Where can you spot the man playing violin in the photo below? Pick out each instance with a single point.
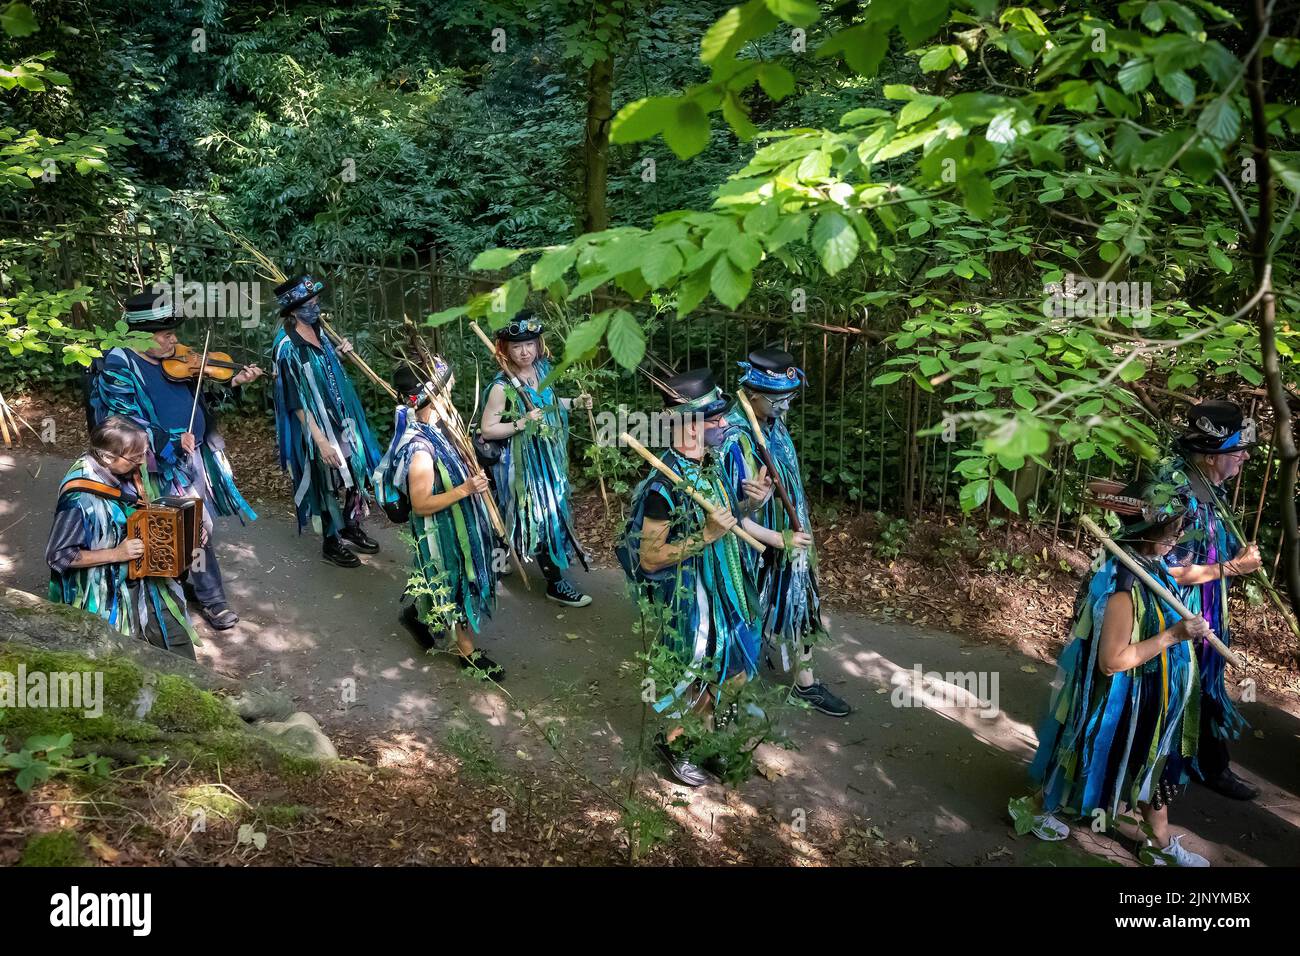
(183, 458)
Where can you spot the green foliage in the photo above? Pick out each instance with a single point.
(1124, 133)
(41, 757)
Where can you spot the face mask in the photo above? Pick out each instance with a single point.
(309, 313)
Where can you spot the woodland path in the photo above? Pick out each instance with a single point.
(939, 775)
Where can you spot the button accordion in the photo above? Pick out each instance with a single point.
(169, 528)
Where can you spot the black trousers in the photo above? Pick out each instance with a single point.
(1211, 752)
(550, 571)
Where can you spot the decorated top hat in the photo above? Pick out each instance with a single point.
(297, 292)
(772, 370)
(1215, 428)
(416, 387)
(149, 312)
(695, 393)
(524, 327)
(1140, 506)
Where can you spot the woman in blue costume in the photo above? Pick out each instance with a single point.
(787, 578)
(1213, 450)
(1123, 722)
(531, 479)
(691, 570)
(324, 438)
(453, 583)
(186, 453)
(88, 550)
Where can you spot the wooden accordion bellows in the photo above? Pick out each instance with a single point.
(169, 528)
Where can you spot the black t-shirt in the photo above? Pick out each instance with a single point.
(657, 507)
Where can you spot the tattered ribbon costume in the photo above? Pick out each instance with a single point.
(454, 547)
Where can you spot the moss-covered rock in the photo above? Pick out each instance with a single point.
(148, 704)
(56, 848)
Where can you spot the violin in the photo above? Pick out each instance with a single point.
(185, 363)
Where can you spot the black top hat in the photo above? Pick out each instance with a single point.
(297, 292)
(772, 370)
(150, 312)
(1215, 428)
(524, 327)
(695, 393)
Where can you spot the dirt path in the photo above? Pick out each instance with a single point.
(934, 778)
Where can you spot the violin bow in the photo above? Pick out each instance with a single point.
(198, 385)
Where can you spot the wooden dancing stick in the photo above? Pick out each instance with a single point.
(1156, 587)
(455, 428)
(678, 482)
(361, 363)
(514, 379)
(765, 454)
(1227, 517)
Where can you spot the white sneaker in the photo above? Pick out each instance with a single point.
(1181, 856)
(1047, 827)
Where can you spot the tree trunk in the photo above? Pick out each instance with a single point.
(595, 150)
(1286, 446)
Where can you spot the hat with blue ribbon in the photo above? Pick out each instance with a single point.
(772, 370)
(695, 393)
(297, 292)
(1217, 428)
(149, 312)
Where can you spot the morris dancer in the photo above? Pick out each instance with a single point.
(88, 549)
(1214, 448)
(453, 584)
(1122, 726)
(532, 476)
(181, 460)
(683, 559)
(787, 579)
(324, 438)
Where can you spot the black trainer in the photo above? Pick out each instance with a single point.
(562, 592)
(1232, 786)
(360, 540)
(679, 768)
(819, 697)
(479, 661)
(335, 551)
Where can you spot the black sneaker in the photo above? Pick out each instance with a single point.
(819, 697)
(360, 540)
(1232, 786)
(220, 617)
(334, 550)
(562, 592)
(679, 768)
(479, 661)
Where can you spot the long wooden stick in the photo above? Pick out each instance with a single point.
(600, 471)
(766, 455)
(1156, 587)
(1226, 516)
(500, 360)
(657, 463)
(455, 427)
(361, 363)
